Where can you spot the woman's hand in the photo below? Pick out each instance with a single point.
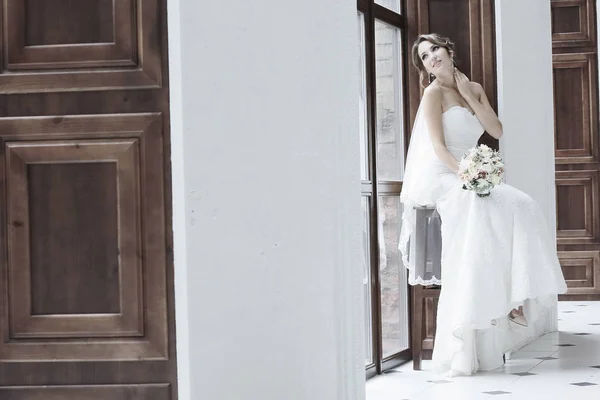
(463, 85)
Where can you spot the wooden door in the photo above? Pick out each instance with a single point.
(86, 269)
(474, 40)
(577, 155)
(470, 25)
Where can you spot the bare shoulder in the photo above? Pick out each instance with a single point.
(481, 96)
(432, 95)
(476, 86)
(479, 91)
(432, 90)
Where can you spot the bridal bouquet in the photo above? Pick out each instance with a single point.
(480, 170)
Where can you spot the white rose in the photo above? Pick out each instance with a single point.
(487, 168)
(473, 173)
(464, 164)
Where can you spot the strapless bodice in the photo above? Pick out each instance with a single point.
(462, 130)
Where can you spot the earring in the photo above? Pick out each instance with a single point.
(431, 77)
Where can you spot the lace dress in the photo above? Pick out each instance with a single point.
(497, 254)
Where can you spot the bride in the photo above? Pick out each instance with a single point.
(498, 260)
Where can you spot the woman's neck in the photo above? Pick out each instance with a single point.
(446, 81)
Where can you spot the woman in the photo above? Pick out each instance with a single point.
(499, 264)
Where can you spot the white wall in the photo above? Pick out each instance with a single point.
(525, 102)
(524, 62)
(266, 196)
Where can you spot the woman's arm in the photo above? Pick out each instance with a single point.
(475, 96)
(432, 109)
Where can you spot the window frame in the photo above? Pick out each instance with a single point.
(372, 188)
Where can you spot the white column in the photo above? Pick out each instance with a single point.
(525, 103)
(266, 197)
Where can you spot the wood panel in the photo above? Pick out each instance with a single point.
(86, 272)
(423, 322)
(48, 25)
(575, 102)
(74, 142)
(108, 392)
(92, 290)
(581, 270)
(42, 54)
(430, 320)
(575, 84)
(66, 47)
(573, 23)
(577, 206)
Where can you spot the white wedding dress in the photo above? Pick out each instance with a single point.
(497, 254)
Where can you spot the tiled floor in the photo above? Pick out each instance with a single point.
(560, 365)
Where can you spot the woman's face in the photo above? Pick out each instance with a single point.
(435, 58)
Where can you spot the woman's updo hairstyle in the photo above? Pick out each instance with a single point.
(433, 38)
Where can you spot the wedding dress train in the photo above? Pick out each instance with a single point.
(497, 254)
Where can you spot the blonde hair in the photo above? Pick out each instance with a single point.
(433, 38)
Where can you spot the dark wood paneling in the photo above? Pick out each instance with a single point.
(573, 195)
(438, 22)
(577, 207)
(118, 51)
(573, 23)
(89, 21)
(474, 40)
(581, 269)
(108, 392)
(570, 133)
(417, 319)
(130, 60)
(566, 19)
(430, 308)
(73, 238)
(87, 274)
(425, 302)
(575, 102)
(70, 139)
(575, 72)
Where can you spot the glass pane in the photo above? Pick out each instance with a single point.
(392, 274)
(362, 100)
(388, 70)
(393, 5)
(367, 283)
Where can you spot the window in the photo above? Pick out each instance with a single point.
(383, 148)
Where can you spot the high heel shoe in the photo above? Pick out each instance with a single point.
(517, 319)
